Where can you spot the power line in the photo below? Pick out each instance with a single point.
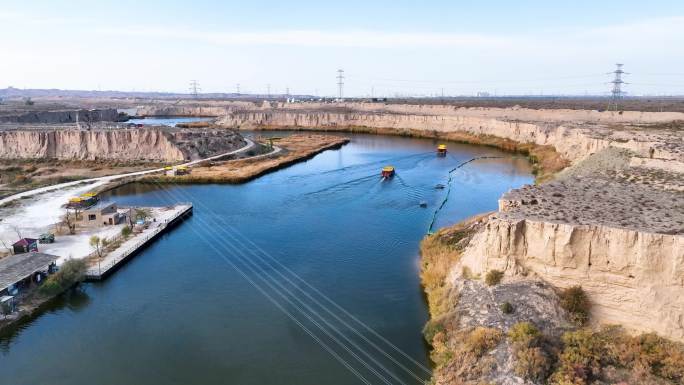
(194, 88)
(340, 83)
(261, 269)
(490, 81)
(617, 82)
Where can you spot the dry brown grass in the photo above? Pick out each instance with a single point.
(438, 253)
(467, 362)
(201, 124)
(296, 148)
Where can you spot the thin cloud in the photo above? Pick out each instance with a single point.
(661, 29)
(316, 38)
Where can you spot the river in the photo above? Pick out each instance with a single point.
(166, 120)
(181, 313)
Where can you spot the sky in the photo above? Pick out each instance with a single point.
(386, 48)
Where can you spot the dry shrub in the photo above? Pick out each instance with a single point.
(493, 277)
(532, 363)
(506, 308)
(523, 333)
(482, 339)
(649, 358)
(575, 301)
(533, 360)
(432, 328)
(664, 358)
(646, 354)
(468, 363)
(582, 358)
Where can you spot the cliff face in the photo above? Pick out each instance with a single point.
(67, 116)
(206, 109)
(513, 113)
(573, 140)
(152, 145)
(633, 278)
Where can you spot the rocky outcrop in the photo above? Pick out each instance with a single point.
(121, 145)
(633, 278)
(65, 116)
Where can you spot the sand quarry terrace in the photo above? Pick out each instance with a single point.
(599, 201)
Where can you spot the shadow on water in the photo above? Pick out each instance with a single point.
(75, 300)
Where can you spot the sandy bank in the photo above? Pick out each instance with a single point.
(288, 150)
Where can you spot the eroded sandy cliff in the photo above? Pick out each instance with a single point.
(627, 251)
(117, 144)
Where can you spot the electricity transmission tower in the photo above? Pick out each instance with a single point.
(268, 91)
(616, 93)
(237, 89)
(340, 84)
(194, 88)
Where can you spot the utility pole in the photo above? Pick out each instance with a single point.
(194, 88)
(616, 93)
(340, 84)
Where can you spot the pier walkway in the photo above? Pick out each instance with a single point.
(165, 219)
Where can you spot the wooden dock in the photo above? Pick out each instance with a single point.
(112, 261)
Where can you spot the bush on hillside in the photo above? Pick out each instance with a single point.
(493, 277)
(532, 360)
(506, 308)
(523, 333)
(575, 301)
(482, 339)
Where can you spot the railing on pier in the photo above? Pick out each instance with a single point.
(96, 272)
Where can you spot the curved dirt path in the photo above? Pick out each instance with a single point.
(109, 178)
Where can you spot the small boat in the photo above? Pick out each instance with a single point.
(441, 150)
(440, 186)
(423, 203)
(387, 172)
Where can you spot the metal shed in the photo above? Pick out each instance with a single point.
(18, 267)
